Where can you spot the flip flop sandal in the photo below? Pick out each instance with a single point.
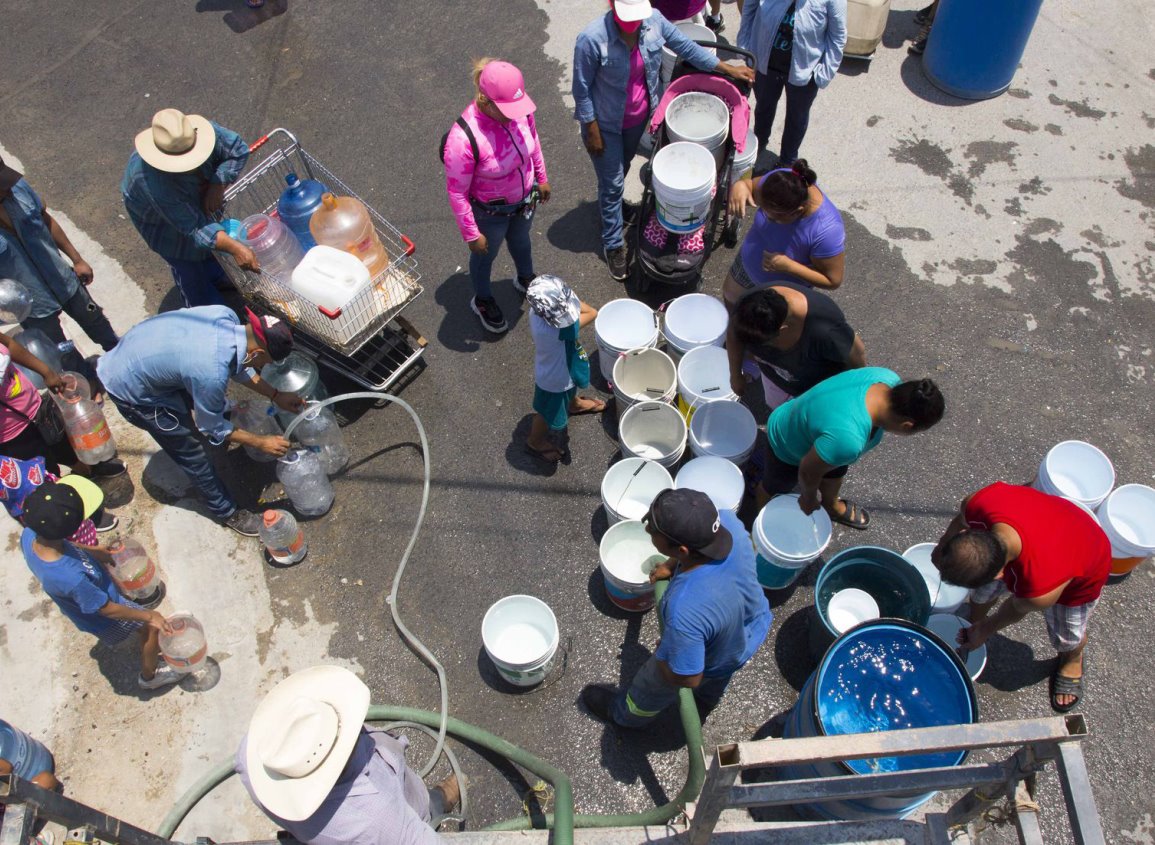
(543, 454)
(853, 517)
(597, 409)
(1062, 685)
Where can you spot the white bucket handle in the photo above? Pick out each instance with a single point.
(633, 477)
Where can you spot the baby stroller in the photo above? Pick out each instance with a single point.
(676, 259)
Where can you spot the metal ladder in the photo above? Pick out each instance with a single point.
(1038, 741)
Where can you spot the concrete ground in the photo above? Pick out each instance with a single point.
(1003, 247)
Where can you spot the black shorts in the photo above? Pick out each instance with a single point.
(30, 444)
(781, 477)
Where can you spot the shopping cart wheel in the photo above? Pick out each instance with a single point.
(731, 232)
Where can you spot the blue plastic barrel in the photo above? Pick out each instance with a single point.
(27, 757)
(893, 582)
(975, 45)
(883, 675)
(296, 206)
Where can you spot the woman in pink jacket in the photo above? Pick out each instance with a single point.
(495, 176)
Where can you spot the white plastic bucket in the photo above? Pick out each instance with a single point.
(693, 31)
(787, 541)
(622, 325)
(683, 176)
(520, 636)
(723, 429)
(1128, 519)
(944, 597)
(629, 488)
(627, 558)
(718, 478)
(851, 607)
(699, 118)
(654, 431)
(644, 374)
(744, 161)
(1078, 471)
(703, 376)
(693, 320)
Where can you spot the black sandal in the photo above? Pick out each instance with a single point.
(542, 454)
(852, 516)
(1064, 685)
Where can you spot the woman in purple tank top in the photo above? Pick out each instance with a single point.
(797, 234)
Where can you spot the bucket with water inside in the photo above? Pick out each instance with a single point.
(944, 597)
(724, 429)
(1127, 517)
(1078, 471)
(703, 376)
(644, 374)
(787, 541)
(718, 478)
(693, 320)
(881, 676)
(682, 175)
(627, 558)
(654, 431)
(520, 636)
(699, 118)
(693, 31)
(629, 488)
(622, 325)
(744, 161)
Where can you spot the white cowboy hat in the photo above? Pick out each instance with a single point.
(301, 736)
(176, 142)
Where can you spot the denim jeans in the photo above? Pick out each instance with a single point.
(799, 98)
(89, 316)
(649, 694)
(514, 230)
(177, 435)
(199, 282)
(611, 168)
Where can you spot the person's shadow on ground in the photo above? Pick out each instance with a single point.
(460, 328)
(578, 230)
(239, 16)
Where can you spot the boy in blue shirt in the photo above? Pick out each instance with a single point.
(714, 614)
(76, 579)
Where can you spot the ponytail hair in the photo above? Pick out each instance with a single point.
(478, 67)
(786, 188)
(920, 401)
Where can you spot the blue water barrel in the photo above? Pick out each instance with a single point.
(913, 682)
(893, 582)
(27, 756)
(975, 45)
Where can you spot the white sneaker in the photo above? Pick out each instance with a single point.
(164, 676)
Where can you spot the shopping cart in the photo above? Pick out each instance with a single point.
(358, 341)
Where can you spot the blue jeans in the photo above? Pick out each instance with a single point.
(176, 434)
(514, 230)
(199, 282)
(799, 98)
(611, 168)
(89, 316)
(649, 694)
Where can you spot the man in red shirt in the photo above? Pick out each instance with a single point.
(1047, 552)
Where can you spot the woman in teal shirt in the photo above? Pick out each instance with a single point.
(815, 437)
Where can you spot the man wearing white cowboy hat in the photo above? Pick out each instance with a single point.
(173, 185)
(310, 763)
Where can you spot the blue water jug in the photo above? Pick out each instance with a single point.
(27, 756)
(297, 203)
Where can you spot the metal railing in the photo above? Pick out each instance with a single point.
(1038, 741)
(25, 803)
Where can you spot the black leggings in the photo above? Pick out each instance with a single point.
(30, 444)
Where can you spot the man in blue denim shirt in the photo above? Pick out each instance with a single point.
(173, 185)
(616, 85)
(177, 364)
(32, 251)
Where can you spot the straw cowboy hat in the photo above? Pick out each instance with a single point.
(176, 142)
(301, 736)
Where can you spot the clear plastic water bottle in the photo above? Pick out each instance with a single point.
(297, 203)
(320, 433)
(39, 344)
(283, 537)
(75, 385)
(275, 246)
(185, 648)
(305, 482)
(344, 223)
(87, 430)
(134, 572)
(259, 417)
(15, 302)
(297, 373)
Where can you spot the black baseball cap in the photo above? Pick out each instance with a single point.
(273, 334)
(689, 518)
(56, 509)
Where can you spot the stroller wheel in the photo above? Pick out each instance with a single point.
(731, 232)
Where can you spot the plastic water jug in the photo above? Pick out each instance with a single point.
(305, 482)
(87, 430)
(297, 373)
(344, 223)
(296, 206)
(283, 537)
(330, 278)
(15, 301)
(185, 648)
(319, 432)
(27, 756)
(39, 344)
(133, 570)
(256, 416)
(75, 385)
(275, 246)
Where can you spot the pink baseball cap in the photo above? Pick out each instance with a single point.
(504, 84)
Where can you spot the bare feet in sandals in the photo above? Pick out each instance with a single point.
(586, 405)
(545, 452)
(848, 513)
